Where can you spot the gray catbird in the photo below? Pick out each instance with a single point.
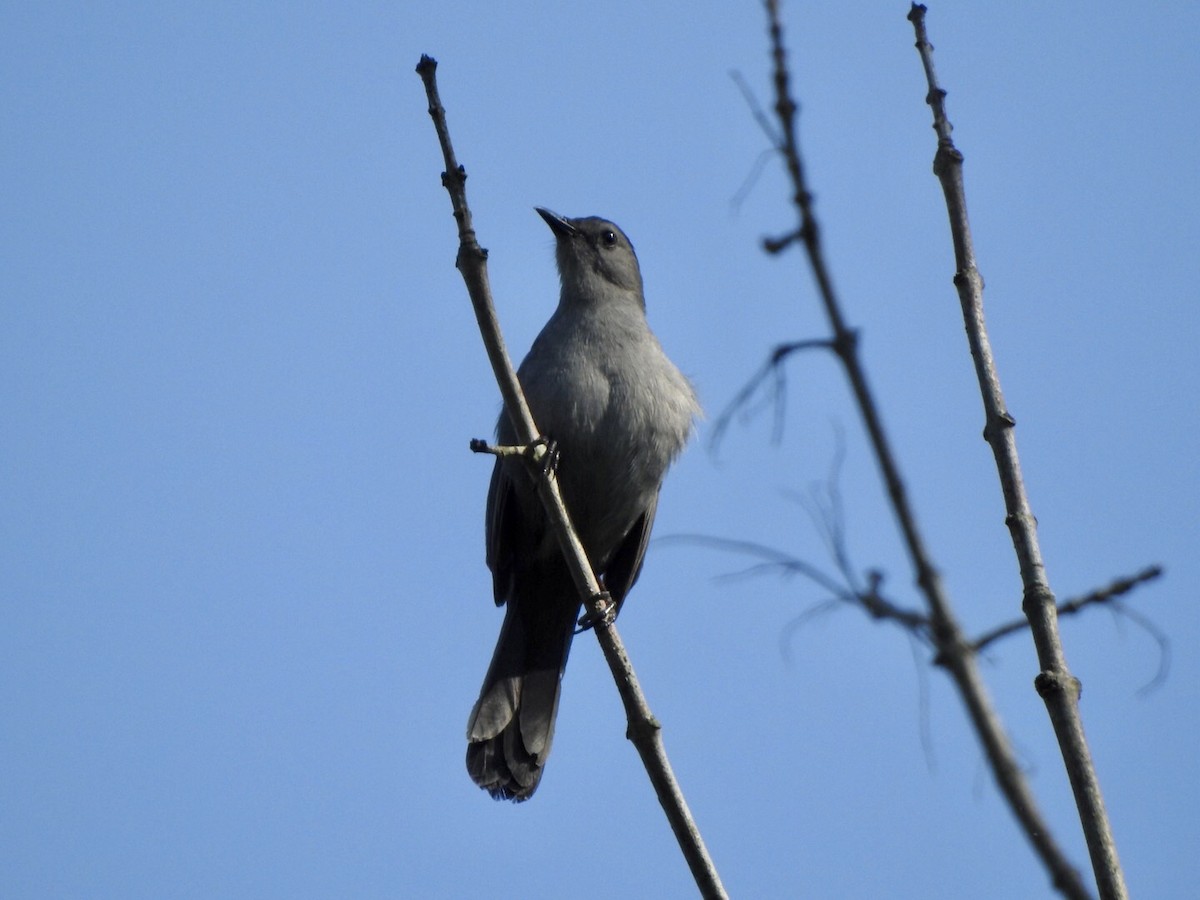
(600, 387)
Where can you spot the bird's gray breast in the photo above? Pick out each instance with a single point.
(619, 410)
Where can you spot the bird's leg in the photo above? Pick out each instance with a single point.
(604, 616)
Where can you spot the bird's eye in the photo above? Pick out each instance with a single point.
(610, 238)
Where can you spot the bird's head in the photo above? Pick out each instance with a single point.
(595, 258)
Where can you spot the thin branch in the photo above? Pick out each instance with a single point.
(870, 599)
(744, 404)
(790, 629)
(1164, 646)
(946, 633)
(644, 729)
(1055, 683)
(756, 110)
(1107, 594)
(926, 734)
(828, 520)
(770, 559)
(824, 507)
(747, 185)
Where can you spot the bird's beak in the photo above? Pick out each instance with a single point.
(560, 225)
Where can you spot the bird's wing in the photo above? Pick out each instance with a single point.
(626, 562)
(501, 527)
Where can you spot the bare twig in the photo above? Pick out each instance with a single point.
(1058, 688)
(756, 110)
(954, 651)
(869, 599)
(765, 123)
(1164, 646)
(770, 559)
(1107, 594)
(644, 729)
(772, 369)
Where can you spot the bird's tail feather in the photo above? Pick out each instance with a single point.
(512, 725)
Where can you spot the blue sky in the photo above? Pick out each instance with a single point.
(244, 605)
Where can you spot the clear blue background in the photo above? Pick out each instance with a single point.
(243, 605)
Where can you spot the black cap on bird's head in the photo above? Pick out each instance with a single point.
(594, 257)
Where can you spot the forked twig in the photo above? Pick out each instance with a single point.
(1058, 688)
(954, 651)
(772, 372)
(1107, 594)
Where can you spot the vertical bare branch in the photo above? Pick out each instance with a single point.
(644, 729)
(1055, 683)
(954, 651)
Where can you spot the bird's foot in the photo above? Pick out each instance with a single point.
(543, 453)
(605, 615)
